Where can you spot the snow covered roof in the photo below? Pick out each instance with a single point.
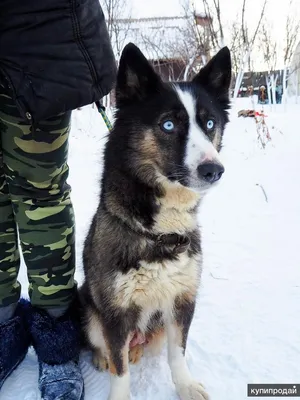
(156, 37)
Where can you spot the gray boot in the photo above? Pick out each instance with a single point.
(57, 345)
(14, 341)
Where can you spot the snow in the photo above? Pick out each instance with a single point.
(246, 327)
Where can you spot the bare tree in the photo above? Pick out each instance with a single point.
(294, 74)
(236, 46)
(118, 20)
(204, 34)
(292, 33)
(117, 15)
(268, 46)
(269, 49)
(194, 43)
(248, 42)
(189, 44)
(212, 9)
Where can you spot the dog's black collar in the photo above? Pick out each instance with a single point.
(180, 243)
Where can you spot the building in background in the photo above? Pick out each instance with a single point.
(171, 44)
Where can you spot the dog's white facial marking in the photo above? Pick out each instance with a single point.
(199, 149)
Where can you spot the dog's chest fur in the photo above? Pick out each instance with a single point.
(155, 286)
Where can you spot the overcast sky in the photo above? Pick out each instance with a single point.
(276, 12)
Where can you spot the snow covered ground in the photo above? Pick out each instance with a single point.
(246, 327)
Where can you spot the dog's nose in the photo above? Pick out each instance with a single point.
(210, 172)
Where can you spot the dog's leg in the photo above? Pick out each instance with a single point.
(156, 341)
(118, 361)
(187, 388)
(94, 333)
(99, 360)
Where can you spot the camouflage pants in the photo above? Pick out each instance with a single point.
(35, 208)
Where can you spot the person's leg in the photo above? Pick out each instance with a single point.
(14, 337)
(36, 170)
(9, 253)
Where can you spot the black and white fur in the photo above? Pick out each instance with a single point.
(161, 157)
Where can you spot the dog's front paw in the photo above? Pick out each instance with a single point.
(192, 391)
(136, 353)
(100, 362)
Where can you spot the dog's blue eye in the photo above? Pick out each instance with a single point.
(210, 124)
(168, 126)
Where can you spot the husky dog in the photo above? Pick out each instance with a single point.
(142, 255)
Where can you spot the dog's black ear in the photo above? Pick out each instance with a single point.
(136, 78)
(215, 76)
